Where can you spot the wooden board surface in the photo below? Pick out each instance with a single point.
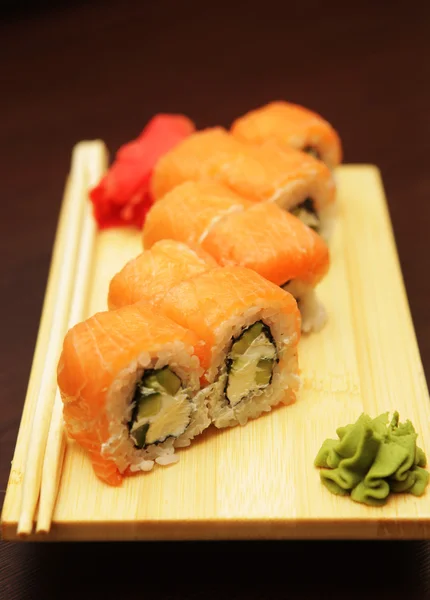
(259, 481)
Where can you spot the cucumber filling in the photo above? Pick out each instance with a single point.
(162, 408)
(250, 363)
(306, 212)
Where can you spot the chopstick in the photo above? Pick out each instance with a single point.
(52, 468)
(56, 444)
(88, 163)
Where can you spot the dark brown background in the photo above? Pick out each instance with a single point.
(75, 70)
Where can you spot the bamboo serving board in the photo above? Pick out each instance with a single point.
(256, 481)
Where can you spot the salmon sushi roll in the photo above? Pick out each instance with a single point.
(129, 380)
(291, 126)
(296, 181)
(153, 272)
(258, 236)
(280, 248)
(251, 329)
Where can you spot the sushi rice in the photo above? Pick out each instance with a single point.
(313, 313)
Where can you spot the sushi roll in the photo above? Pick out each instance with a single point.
(292, 179)
(258, 236)
(251, 329)
(291, 126)
(129, 380)
(280, 248)
(153, 272)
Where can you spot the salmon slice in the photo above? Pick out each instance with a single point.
(151, 274)
(290, 178)
(271, 242)
(95, 353)
(203, 303)
(187, 213)
(193, 160)
(290, 126)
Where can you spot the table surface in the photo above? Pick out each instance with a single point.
(77, 70)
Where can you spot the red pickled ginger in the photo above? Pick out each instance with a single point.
(123, 197)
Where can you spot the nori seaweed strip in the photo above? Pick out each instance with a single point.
(137, 395)
(312, 151)
(307, 205)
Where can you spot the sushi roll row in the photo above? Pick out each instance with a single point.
(294, 180)
(235, 231)
(203, 326)
(141, 380)
(280, 153)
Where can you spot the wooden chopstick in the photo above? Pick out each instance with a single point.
(94, 161)
(55, 446)
(46, 390)
(76, 210)
(52, 467)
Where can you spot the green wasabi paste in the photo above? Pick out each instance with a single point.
(372, 458)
